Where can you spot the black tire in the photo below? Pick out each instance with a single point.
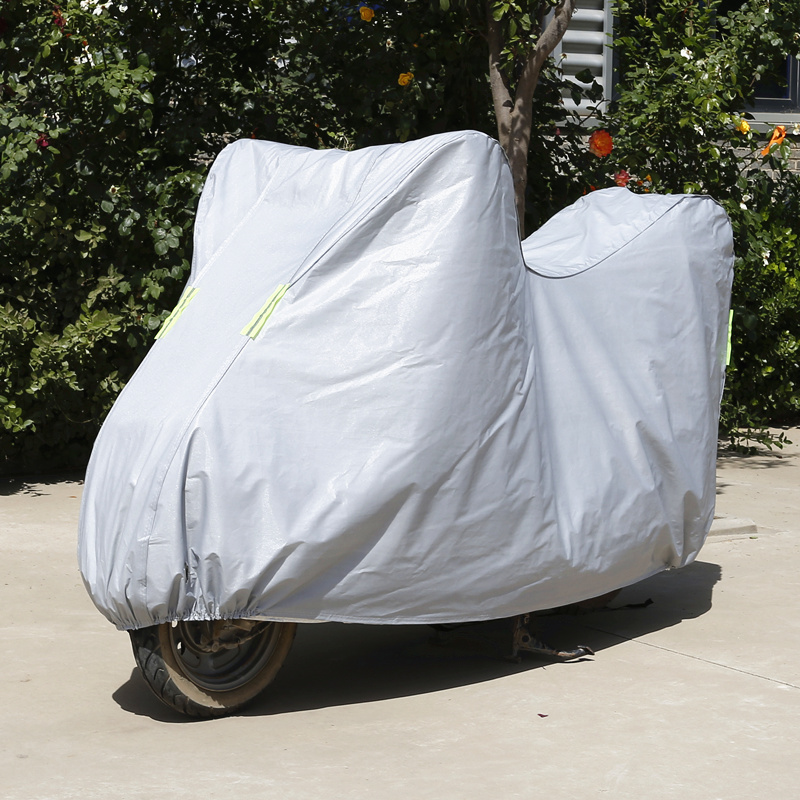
(210, 669)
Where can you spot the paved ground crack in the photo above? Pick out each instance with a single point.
(696, 658)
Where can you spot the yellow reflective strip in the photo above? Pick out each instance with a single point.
(730, 334)
(257, 323)
(186, 298)
(253, 328)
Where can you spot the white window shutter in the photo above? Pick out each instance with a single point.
(586, 46)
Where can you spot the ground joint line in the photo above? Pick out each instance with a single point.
(696, 658)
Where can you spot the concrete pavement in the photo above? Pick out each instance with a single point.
(695, 696)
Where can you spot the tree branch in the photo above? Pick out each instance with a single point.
(515, 116)
(545, 45)
(501, 94)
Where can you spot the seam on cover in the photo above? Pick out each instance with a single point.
(298, 275)
(150, 521)
(613, 252)
(215, 255)
(153, 507)
(215, 381)
(305, 267)
(211, 259)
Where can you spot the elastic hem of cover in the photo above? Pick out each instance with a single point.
(399, 619)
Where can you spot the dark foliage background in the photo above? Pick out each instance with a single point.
(111, 114)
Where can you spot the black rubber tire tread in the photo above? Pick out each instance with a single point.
(164, 677)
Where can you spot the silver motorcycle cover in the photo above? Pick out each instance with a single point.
(372, 404)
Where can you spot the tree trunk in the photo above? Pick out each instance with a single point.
(515, 115)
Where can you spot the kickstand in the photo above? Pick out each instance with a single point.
(523, 641)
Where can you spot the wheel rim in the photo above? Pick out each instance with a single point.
(222, 656)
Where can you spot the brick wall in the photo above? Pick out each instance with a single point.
(794, 155)
(794, 158)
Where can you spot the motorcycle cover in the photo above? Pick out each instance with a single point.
(372, 404)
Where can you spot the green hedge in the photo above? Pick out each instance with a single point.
(107, 123)
(687, 71)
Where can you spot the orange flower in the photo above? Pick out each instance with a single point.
(600, 143)
(366, 13)
(778, 135)
(405, 78)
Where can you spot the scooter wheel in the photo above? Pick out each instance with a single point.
(210, 669)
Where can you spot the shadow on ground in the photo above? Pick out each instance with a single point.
(334, 664)
(36, 486)
(757, 461)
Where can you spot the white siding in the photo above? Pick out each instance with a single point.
(586, 46)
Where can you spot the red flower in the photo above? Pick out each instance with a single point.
(622, 177)
(58, 18)
(42, 141)
(600, 143)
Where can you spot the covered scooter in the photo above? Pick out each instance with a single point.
(374, 404)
